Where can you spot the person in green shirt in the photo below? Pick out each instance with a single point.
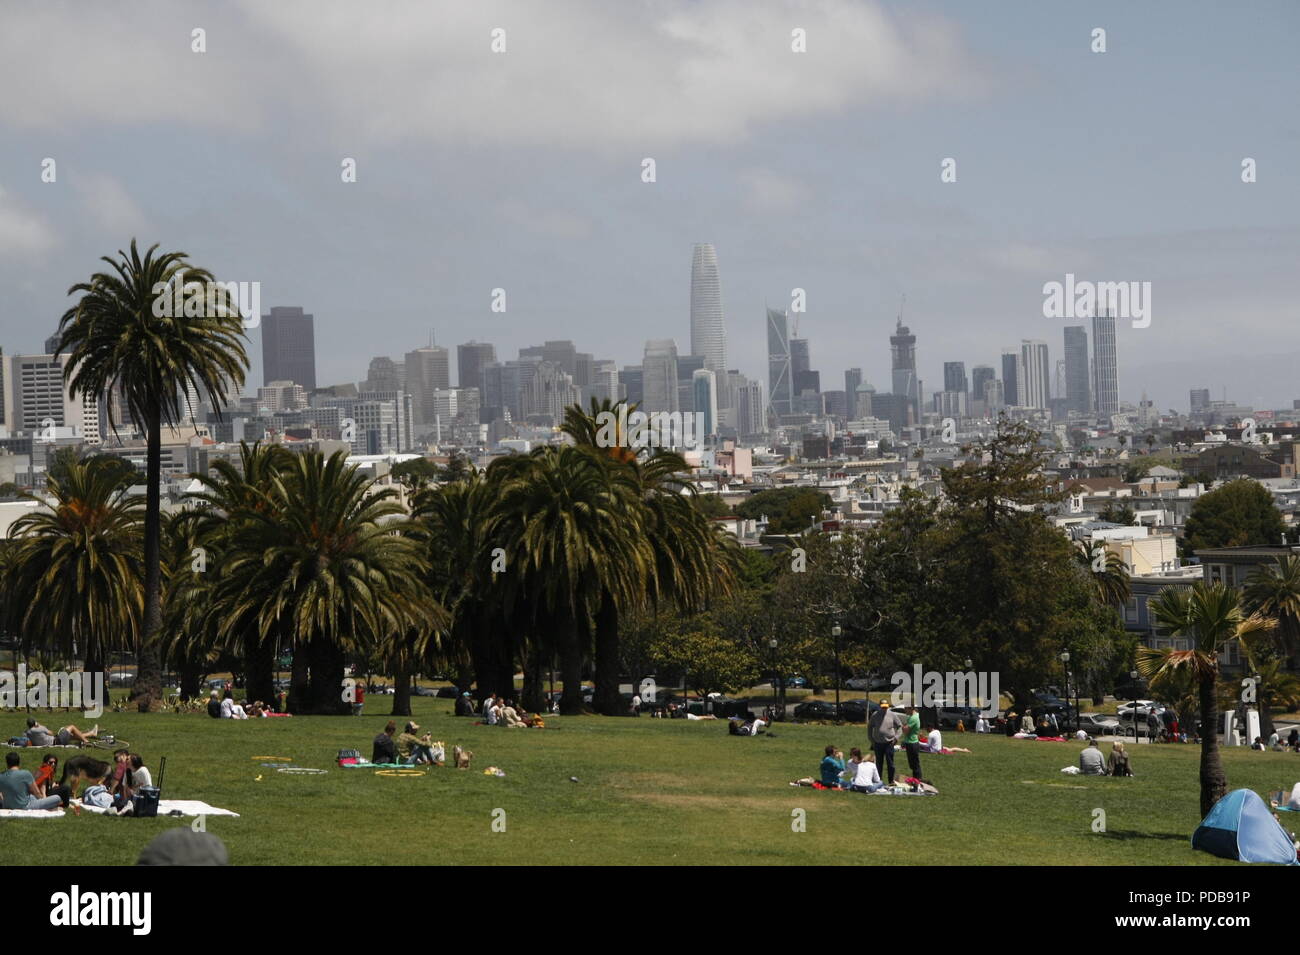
(912, 741)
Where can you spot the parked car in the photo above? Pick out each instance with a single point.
(815, 710)
(424, 691)
(1095, 724)
(948, 716)
(860, 682)
(1124, 712)
(857, 711)
(795, 683)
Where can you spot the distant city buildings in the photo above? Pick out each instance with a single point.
(289, 346)
(708, 331)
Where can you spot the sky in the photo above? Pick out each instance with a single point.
(820, 170)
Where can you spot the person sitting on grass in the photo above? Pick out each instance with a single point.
(413, 749)
(832, 766)
(232, 710)
(18, 788)
(934, 743)
(385, 749)
(866, 777)
(214, 706)
(1091, 762)
(464, 705)
(509, 715)
(1117, 762)
(492, 710)
(140, 775)
(119, 783)
(45, 779)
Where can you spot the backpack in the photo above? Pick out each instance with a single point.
(349, 757)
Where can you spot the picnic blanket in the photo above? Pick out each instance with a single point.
(30, 813)
(51, 746)
(369, 765)
(186, 807)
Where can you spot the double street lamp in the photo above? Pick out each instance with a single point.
(835, 633)
(776, 707)
(1065, 668)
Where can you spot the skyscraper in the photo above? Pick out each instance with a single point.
(778, 362)
(751, 413)
(471, 359)
(428, 370)
(289, 347)
(708, 332)
(1105, 365)
(980, 376)
(1035, 390)
(1200, 399)
(1011, 375)
(852, 378)
(1078, 396)
(382, 375)
(659, 376)
(705, 385)
(902, 351)
(954, 376)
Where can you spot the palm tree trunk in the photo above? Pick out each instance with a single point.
(147, 692)
(607, 700)
(570, 667)
(532, 695)
(401, 689)
(300, 681)
(1213, 781)
(259, 670)
(325, 661)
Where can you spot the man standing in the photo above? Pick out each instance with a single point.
(884, 727)
(18, 788)
(912, 742)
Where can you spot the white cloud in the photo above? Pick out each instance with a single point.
(109, 205)
(22, 232)
(769, 191)
(584, 74)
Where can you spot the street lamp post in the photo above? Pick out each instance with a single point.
(1133, 675)
(969, 664)
(1065, 668)
(772, 644)
(835, 633)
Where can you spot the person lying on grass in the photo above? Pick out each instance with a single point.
(832, 766)
(38, 735)
(97, 794)
(934, 743)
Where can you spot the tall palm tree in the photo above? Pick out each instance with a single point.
(212, 525)
(458, 527)
(569, 535)
(118, 345)
(1210, 616)
(1274, 591)
(685, 559)
(74, 572)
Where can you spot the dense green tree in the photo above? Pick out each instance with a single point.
(1238, 514)
(118, 343)
(1274, 591)
(789, 510)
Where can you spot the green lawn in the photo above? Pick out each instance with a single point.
(647, 792)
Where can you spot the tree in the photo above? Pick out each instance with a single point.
(1238, 514)
(709, 662)
(1210, 616)
(1110, 576)
(1274, 591)
(118, 344)
(1117, 513)
(415, 474)
(789, 510)
(74, 569)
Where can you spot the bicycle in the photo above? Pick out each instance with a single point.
(107, 741)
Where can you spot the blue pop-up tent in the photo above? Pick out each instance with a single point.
(1240, 826)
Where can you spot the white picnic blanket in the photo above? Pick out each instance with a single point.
(30, 813)
(187, 807)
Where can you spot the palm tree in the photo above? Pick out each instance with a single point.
(1274, 591)
(212, 526)
(1111, 583)
(74, 567)
(321, 558)
(457, 524)
(119, 346)
(569, 536)
(1210, 616)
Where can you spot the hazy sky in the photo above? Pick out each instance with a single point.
(819, 170)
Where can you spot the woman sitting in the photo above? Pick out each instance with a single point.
(866, 777)
(1117, 762)
(832, 766)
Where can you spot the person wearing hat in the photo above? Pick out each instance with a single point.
(464, 705)
(414, 749)
(884, 727)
